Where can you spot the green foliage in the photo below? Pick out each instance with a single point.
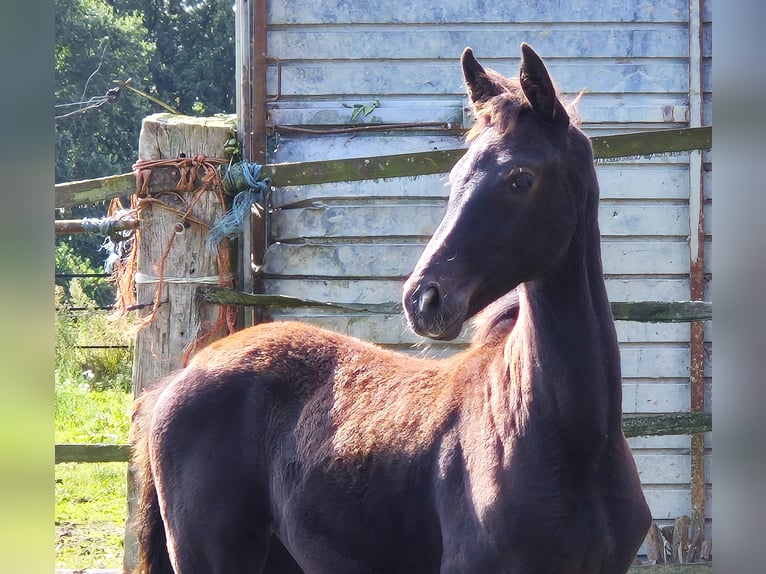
(85, 414)
(99, 368)
(68, 260)
(363, 110)
(179, 52)
(194, 65)
(95, 45)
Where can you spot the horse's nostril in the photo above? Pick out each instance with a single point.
(428, 299)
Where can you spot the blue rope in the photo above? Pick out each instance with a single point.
(232, 222)
(251, 172)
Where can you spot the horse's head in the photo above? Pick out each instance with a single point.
(513, 208)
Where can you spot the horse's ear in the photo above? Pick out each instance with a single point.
(538, 87)
(481, 86)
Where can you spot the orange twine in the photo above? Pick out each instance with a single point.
(189, 169)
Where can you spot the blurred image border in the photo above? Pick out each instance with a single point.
(26, 280)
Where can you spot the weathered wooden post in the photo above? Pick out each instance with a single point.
(171, 244)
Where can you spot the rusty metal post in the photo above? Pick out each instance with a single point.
(697, 268)
(251, 126)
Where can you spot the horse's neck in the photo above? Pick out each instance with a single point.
(566, 345)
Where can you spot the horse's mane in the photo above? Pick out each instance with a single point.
(501, 111)
(497, 319)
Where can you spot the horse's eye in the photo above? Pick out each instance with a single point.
(521, 181)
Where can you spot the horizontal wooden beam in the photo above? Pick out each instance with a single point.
(633, 425)
(228, 296)
(652, 142)
(92, 453)
(424, 163)
(362, 168)
(398, 165)
(662, 311)
(666, 424)
(643, 311)
(94, 190)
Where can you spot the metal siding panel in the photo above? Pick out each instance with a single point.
(635, 332)
(319, 147)
(647, 288)
(421, 187)
(370, 260)
(390, 110)
(666, 468)
(670, 503)
(642, 180)
(593, 108)
(291, 12)
(398, 42)
(655, 398)
(344, 78)
(681, 442)
(616, 219)
(382, 221)
(654, 361)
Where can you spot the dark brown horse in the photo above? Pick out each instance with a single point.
(285, 448)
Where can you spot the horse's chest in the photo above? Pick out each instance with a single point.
(528, 510)
(535, 532)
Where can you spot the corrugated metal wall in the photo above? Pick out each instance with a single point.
(356, 242)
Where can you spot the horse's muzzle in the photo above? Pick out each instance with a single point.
(427, 314)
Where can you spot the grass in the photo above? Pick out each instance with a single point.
(91, 501)
(92, 405)
(90, 514)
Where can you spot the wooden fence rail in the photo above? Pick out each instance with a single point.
(632, 425)
(643, 311)
(400, 165)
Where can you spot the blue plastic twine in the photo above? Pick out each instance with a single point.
(232, 222)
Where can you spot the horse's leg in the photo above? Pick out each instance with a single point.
(211, 494)
(211, 535)
(215, 535)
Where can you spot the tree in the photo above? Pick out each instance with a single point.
(194, 65)
(95, 46)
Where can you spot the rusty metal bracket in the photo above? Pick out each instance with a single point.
(278, 63)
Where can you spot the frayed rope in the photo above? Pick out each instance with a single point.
(232, 222)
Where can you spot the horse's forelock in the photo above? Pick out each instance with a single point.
(502, 111)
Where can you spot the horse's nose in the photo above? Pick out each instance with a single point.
(429, 300)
